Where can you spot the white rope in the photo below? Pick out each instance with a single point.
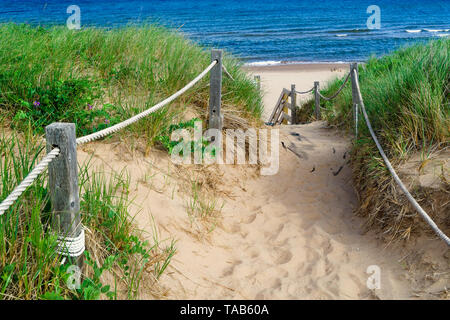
(394, 174)
(17, 192)
(71, 246)
(119, 126)
(337, 92)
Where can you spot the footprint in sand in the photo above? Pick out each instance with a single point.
(249, 219)
(228, 271)
(282, 256)
(231, 228)
(253, 253)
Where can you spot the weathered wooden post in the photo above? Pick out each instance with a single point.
(258, 81)
(355, 96)
(317, 99)
(64, 193)
(293, 105)
(215, 92)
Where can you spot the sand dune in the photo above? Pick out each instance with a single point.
(292, 235)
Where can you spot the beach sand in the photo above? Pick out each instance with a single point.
(292, 235)
(275, 78)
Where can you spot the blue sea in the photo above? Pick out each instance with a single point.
(263, 31)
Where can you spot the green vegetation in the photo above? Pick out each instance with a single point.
(169, 144)
(406, 95)
(29, 265)
(96, 77)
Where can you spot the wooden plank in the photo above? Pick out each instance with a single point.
(285, 110)
(63, 182)
(284, 98)
(293, 104)
(317, 99)
(286, 117)
(258, 82)
(277, 106)
(355, 96)
(215, 92)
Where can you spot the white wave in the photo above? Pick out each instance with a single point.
(341, 35)
(414, 31)
(263, 63)
(272, 63)
(443, 35)
(433, 30)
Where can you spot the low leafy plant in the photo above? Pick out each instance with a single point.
(65, 71)
(193, 145)
(92, 288)
(59, 101)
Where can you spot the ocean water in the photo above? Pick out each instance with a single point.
(263, 31)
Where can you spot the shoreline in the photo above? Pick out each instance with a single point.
(293, 67)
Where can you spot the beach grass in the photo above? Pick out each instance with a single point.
(30, 268)
(97, 77)
(406, 95)
(93, 78)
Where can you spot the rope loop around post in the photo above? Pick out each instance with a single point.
(339, 90)
(71, 246)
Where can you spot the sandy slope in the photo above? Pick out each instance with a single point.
(288, 236)
(292, 235)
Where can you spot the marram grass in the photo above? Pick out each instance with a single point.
(406, 95)
(94, 78)
(97, 77)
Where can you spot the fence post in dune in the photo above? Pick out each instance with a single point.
(317, 99)
(64, 193)
(258, 82)
(293, 105)
(215, 92)
(355, 99)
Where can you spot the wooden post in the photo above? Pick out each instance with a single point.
(215, 92)
(63, 182)
(317, 99)
(355, 96)
(258, 82)
(293, 105)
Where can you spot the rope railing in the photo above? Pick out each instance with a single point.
(126, 123)
(399, 182)
(338, 91)
(28, 181)
(74, 246)
(358, 103)
(278, 116)
(43, 164)
(304, 92)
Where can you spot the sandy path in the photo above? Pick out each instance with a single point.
(292, 235)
